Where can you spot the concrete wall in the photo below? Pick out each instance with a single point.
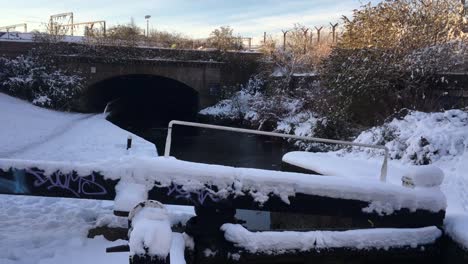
(204, 78)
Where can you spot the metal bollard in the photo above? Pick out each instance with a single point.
(129, 142)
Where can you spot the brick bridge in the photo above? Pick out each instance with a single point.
(205, 73)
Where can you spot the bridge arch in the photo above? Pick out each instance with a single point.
(138, 102)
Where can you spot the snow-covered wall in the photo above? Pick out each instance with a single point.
(187, 178)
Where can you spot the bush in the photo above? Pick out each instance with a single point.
(390, 57)
(420, 138)
(25, 78)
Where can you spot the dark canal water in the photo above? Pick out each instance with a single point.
(221, 147)
(225, 148)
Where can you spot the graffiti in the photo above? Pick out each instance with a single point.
(201, 195)
(72, 182)
(16, 185)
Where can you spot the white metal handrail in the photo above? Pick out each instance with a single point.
(167, 151)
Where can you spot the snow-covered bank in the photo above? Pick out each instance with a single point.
(284, 114)
(33, 229)
(31, 132)
(53, 230)
(349, 167)
(439, 139)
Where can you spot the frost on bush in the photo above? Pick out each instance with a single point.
(421, 138)
(279, 112)
(26, 78)
(239, 105)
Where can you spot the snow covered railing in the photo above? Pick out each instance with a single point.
(167, 151)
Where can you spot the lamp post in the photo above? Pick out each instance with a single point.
(147, 17)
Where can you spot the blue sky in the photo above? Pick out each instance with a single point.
(195, 18)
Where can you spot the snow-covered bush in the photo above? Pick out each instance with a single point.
(386, 61)
(264, 110)
(421, 138)
(238, 106)
(26, 78)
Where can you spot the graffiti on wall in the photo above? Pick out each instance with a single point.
(71, 182)
(197, 197)
(34, 181)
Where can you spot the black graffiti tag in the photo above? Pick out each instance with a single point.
(72, 182)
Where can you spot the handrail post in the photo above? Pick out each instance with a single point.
(384, 170)
(167, 149)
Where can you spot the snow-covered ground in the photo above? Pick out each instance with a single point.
(53, 230)
(31, 132)
(439, 139)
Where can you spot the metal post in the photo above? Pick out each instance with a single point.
(318, 34)
(305, 39)
(334, 31)
(147, 17)
(129, 142)
(284, 39)
(167, 150)
(71, 28)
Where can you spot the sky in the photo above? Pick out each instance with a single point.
(194, 18)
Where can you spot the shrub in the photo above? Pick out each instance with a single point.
(390, 57)
(24, 77)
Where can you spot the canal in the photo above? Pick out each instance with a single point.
(224, 148)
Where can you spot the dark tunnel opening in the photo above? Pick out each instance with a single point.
(139, 103)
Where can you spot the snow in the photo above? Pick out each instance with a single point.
(40, 230)
(421, 138)
(128, 195)
(53, 230)
(439, 139)
(150, 232)
(233, 108)
(46, 230)
(260, 184)
(425, 176)
(286, 114)
(37, 228)
(31, 132)
(456, 226)
(286, 241)
(350, 167)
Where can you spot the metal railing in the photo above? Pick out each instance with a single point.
(167, 151)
